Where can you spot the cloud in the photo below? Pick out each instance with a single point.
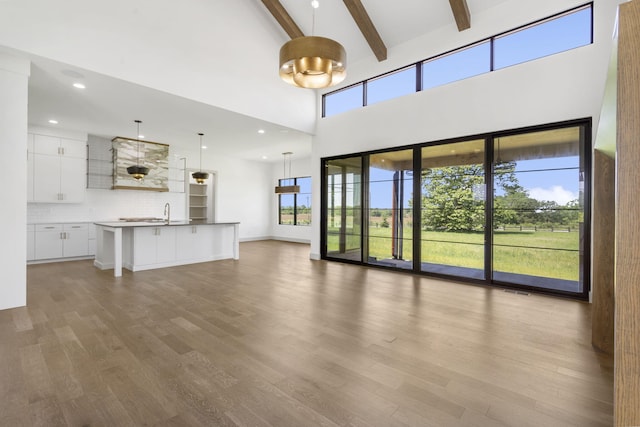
(556, 193)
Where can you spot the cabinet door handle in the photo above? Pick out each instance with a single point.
(49, 228)
(62, 150)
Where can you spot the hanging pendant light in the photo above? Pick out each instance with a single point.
(313, 62)
(287, 189)
(136, 171)
(200, 176)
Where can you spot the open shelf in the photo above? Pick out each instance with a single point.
(198, 201)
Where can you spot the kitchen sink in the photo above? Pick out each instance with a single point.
(142, 219)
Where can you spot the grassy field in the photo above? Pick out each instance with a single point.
(539, 253)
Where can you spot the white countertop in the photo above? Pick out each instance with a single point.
(126, 224)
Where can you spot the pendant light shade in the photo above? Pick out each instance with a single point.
(200, 176)
(136, 171)
(313, 62)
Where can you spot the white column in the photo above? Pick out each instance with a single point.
(14, 79)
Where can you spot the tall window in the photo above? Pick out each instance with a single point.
(390, 218)
(295, 209)
(538, 209)
(452, 183)
(343, 214)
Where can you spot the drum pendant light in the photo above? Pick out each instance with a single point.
(200, 176)
(313, 62)
(136, 171)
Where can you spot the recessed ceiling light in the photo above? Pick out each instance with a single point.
(79, 86)
(261, 131)
(204, 147)
(264, 157)
(141, 136)
(53, 122)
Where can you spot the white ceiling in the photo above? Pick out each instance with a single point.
(191, 66)
(109, 106)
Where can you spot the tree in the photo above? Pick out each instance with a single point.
(453, 197)
(449, 202)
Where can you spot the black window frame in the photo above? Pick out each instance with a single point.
(287, 181)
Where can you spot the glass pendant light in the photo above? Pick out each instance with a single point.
(136, 171)
(200, 176)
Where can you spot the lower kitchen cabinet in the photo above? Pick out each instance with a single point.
(60, 241)
(154, 245)
(195, 242)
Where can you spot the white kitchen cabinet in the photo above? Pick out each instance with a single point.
(154, 245)
(60, 241)
(194, 242)
(140, 246)
(75, 240)
(48, 241)
(31, 242)
(59, 170)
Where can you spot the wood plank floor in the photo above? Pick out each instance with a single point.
(275, 339)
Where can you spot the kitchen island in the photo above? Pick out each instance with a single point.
(147, 245)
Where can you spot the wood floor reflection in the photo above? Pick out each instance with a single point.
(275, 339)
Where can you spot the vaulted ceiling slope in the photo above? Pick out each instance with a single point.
(222, 53)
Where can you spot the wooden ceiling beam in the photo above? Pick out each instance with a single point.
(368, 30)
(282, 16)
(461, 14)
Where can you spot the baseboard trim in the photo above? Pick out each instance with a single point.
(48, 260)
(280, 239)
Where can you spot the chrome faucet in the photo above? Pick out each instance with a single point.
(167, 212)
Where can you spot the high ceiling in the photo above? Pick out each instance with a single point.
(193, 66)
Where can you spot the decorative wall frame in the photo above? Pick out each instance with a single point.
(153, 155)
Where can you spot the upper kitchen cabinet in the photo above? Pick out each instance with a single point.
(59, 169)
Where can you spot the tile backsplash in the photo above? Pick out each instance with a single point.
(109, 205)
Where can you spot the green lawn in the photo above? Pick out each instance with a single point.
(539, 253)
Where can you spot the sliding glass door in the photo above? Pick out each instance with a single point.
(538, 209)
(452, 183)
(344, 208)
(390, 217)
(506, 208)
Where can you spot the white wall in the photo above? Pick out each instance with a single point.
(565, 86)
(14, 78)
(292, 233)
